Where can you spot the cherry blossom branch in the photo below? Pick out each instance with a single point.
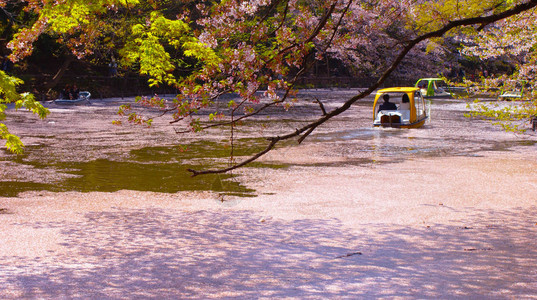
(309, 128)
(315, 33)
(320, 25)
(338, 24)
(284, 16)
(257, 111)
(176, 120)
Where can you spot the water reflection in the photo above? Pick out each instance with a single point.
(109, 176)
(157, 169)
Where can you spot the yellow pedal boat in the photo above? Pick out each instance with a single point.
(399, 107)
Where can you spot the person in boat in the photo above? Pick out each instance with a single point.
(65, 93)
(74, 92)
(405, 103)
(387, 105)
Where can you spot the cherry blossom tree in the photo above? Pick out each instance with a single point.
(269, 44)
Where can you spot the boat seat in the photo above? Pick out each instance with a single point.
(390, 119)
(384, 119)
(395, 119)
(405, 114)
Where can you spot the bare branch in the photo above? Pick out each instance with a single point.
(213, 98)
(256, 112)
(303, 137)
(259, 110)
(269, 147)
(321, 105)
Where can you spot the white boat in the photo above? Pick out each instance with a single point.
(512, 89)
(82, 96)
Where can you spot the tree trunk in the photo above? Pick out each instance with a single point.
(59, 75)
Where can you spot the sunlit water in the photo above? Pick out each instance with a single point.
(163, 168)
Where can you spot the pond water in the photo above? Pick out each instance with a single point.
(109, 176)
(77, 149)
(157, 169)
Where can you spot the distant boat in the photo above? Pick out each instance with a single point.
(82, 96)
(434, 87)
(408, 108)
(512, 89)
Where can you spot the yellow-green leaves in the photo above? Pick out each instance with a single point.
(28, 101)
(128, 3)
(13, 143)
(66, 15)
(63, 18)
(8, 94)
(174, 31)
(148, 48)
(66, 18)
(8, 84)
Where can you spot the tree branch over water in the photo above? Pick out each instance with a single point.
(307, 129)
